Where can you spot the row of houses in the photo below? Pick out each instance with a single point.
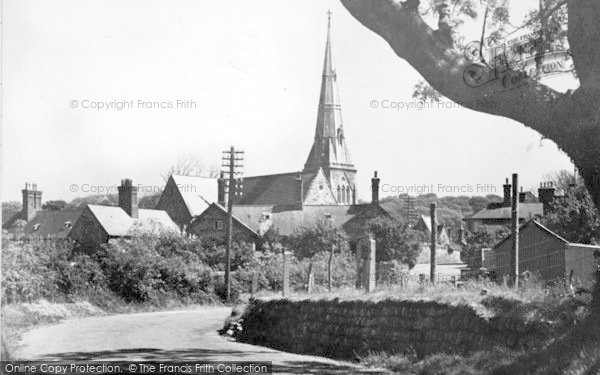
(325, 188)
(542, 252)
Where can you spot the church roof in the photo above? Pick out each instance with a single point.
(273, 189)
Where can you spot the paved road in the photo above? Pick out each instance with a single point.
(174, 336)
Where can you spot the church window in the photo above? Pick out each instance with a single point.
(339, 194)
(343, 195)
(347, 194)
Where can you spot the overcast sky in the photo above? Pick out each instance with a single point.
(253, 71)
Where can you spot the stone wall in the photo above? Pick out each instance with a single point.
(345, 329)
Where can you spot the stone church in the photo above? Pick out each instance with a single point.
(328, 176)
(324, 189)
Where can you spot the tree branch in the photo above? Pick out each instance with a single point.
(448, 70)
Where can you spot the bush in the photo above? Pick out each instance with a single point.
(153, 268)
(33, 270)
(148, 268)
(343, 269)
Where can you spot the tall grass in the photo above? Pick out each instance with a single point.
(532, 301)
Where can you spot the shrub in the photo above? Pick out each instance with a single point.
(343, 268)
(147, 268)
(32, 270)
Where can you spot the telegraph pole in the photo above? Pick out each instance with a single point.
(409, 205)
(514, 256)
(231, 162)
(433, 241)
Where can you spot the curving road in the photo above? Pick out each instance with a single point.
(163, 336)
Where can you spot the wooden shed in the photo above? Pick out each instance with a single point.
(546, 254)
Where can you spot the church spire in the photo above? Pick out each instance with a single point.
(329, 148)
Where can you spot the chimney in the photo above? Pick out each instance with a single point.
(300, 193)
(221, 188)
(128, 198)
(507, 196)
(375, 189)
(546, 195)
(522, 196)
(32, 201)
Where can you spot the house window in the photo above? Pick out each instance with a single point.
(219, 225)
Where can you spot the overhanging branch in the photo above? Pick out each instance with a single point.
(511, 93)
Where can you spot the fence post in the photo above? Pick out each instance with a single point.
(432, 269)
(285, 290)
(370, 274)
(330, 269)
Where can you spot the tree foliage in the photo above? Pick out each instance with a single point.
(54, 205)
(573, 216)
(483, 237)
(395, 240)
(510, 73)
(321, 236)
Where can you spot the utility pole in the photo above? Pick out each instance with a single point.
(433, 241)
(232, 168)
(514, 256)
(409, 205)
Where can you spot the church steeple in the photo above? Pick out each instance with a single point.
(329, 148)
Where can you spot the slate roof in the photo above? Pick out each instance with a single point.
(538, 225)
(273, 189)
(245, 223)
(526, 211)
(287, 219)
(115, 221)
(197, 192)
(50, 224)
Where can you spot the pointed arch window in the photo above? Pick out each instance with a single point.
(347, 194)
(343, 195)
(339, 194)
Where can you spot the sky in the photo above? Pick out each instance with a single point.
(229, 73)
